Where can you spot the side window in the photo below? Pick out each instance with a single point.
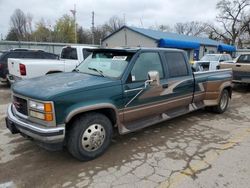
(176, 64)
(29, 55)
(49, 56)
(69, 53)
(222, 58)
(148, 61)
(244, 59)
(85, 53)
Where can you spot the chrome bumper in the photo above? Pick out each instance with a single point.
(35, 131)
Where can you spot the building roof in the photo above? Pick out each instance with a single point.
(157, 35)
(166, 38)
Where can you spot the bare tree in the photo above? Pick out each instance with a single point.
(113, 24)
(21, 24)
(193, 28)
(231, 19)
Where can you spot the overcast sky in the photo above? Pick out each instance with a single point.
(141, 13)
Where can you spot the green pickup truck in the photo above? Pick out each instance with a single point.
(125, 89)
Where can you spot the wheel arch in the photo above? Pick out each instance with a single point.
(53, 71)
(108, 110)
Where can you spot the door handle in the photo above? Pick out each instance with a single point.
(164, 85)
(238, 65)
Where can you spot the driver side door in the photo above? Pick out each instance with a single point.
(141, 101)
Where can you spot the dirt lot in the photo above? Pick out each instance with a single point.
(200, 149)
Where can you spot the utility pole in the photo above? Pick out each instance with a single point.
(74, 16)
(93, 27)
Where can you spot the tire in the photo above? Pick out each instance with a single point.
(223, 104)
(89, 136)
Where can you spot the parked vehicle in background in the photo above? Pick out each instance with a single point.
(125, 89)
(1, 52)
(21, 53)
(71, 56)
(211, 61)
(240, 67)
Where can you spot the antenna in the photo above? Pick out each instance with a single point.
(141, 22)
(93, 27)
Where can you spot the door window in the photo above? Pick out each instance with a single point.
(69, 53)
(176, 64)
(148, 61)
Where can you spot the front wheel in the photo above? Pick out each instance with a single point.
(223, 103)
(89, 136)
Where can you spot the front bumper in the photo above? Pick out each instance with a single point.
(32, 130)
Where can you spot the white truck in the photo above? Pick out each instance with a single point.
(70, 57)
(210, 62)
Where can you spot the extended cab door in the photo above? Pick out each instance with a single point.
(180, 82)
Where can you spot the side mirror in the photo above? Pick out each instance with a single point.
(153, 79)
(221, 60)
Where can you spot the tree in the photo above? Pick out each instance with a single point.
(42, 32)
(113, 24)
(231, 19)
(84, 36)
(21, 24)
(193, 28)
(64, 29)
(12, 35)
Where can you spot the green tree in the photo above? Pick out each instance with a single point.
(64, 29)
(42, 32)
(12, 35)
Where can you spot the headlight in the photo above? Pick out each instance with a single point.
(43, 111)
(45, 107)
(36, 105)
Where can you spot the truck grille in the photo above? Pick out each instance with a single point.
(21, 105)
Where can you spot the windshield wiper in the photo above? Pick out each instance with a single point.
(75, 70)
(96, 70)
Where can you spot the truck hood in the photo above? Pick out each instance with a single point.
(50, 86)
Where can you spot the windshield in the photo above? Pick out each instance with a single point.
(210, 57)
(107, 64)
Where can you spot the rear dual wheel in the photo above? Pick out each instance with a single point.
(89, 136)
(223, 103)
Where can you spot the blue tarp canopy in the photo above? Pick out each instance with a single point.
(170, 43)
(226, 48)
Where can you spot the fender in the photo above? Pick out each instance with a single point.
(91, 108)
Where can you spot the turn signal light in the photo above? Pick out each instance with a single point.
(48, 117)
(48, 107)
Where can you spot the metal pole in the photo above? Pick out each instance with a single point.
(74, 16)
(93, 27)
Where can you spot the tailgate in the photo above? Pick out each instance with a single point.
(13, 66)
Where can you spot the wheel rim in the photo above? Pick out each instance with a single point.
(223, 101)
(93, 137)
